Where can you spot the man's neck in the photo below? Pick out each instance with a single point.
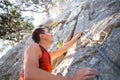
(45, 45)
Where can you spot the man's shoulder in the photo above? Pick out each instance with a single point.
(34, 48)
(35, 45)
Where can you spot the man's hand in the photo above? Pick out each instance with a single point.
(79, 35)
(85, 74)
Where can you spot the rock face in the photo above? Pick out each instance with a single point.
(99, 47)
(11, 63)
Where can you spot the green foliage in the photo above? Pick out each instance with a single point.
(37, 6)
(11, 22)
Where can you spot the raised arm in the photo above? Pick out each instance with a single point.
(56, 53)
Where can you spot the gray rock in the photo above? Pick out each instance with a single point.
(97, 48)
(11, 63)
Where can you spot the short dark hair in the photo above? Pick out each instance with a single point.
(36, 33)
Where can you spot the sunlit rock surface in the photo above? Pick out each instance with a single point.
(99, 46)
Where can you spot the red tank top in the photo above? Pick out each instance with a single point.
(45, 60)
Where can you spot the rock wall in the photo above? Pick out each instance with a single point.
(98, 47)
(11, 63)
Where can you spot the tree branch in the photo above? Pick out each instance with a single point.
(33, 11)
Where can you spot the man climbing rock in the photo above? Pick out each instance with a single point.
(37, 59)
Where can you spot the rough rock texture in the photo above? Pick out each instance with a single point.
(99, 47)
(11, 63)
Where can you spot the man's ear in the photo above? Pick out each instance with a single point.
(41, 36)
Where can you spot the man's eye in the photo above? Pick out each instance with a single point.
(49, 31)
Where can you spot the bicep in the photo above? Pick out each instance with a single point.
(31, 57)
(58, 52)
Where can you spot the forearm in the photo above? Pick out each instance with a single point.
(56, 53)
(39, 74)
(71, 42)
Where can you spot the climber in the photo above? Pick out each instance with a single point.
(37, 59)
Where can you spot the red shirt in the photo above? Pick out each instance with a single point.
(45, 60)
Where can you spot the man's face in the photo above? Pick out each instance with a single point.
(48, 36)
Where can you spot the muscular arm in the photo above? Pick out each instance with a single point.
(56, 53)
(31, 66)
